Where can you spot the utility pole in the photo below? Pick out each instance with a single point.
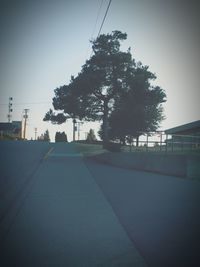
(25, 120)
(35, 132)
(10, 109)
(79, 124)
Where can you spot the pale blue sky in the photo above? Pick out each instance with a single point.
(44, 42)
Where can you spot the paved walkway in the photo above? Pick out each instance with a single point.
(160, 213)
(63, 219)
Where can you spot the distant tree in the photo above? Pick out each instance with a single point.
(60, 137)
(41, 137)
(91, 136)
(46, 136)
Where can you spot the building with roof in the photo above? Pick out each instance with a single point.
(11, 130)
(192, 128)
(186, 134)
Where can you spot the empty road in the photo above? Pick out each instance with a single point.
(58, 209)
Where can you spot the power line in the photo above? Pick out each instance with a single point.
(104, 18)
(97, 18)
(27, 103)
(103, 22)
(98, 13)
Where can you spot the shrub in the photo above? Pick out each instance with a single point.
(60, 137)
(113, 147)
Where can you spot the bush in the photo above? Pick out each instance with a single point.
(60, 137)
(113, 147)
(91, 136)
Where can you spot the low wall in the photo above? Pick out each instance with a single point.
(193, 167)
(176, 165)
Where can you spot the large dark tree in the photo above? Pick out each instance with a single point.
(92, 93)
(102, 85)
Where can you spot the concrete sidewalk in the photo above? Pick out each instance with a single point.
(160, 213)
(66, 221)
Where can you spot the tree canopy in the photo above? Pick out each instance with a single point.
(111, 87)
(139, 109)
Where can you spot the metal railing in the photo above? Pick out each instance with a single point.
(161, 142)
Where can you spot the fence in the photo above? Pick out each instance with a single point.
(159, 141)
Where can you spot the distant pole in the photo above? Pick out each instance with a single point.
(172, 143)
(25, 120)
(21, 129)
(79, 124)
(166, 142)
(78, 130)
(35, 132)
(147, 141)
(160, 141)
(10, 109)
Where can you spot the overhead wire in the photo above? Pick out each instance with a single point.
(95, 25)
(97, 19)
(103, 21)
(27, 103)
(100, 7)
(104, 18)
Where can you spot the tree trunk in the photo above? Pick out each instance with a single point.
(74, 129)
(105, 124)
(137, 141)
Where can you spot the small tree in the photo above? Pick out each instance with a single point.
(41, 137)
(60, 137)
(91, 136)
(46, 136)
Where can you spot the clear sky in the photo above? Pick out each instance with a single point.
(44, 42)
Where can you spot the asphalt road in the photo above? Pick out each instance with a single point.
(59, 215)
(57, 209)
